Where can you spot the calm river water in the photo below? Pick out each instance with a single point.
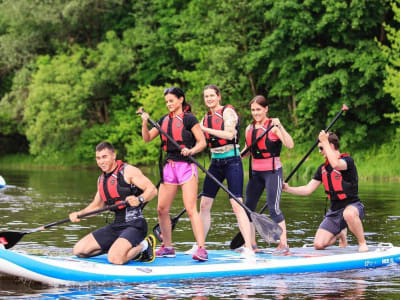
(34, 198)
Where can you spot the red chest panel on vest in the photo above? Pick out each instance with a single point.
(111, 185)
(334, 183)
(216, 121)
(264, 148)
(174, 127)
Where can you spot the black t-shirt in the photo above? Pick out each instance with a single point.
(349, 176)
(189, 121)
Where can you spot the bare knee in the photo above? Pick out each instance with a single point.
(191, 212)
(79, 251)
(318, 245)
(349, 216)
(115, 259)
(206, 204)
(236, 207)
(162, 211)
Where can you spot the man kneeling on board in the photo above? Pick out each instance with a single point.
(124, 239)
(340, 179)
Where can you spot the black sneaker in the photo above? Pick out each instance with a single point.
(137, 257)
(149, 254)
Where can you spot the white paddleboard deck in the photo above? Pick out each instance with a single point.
(222, 263)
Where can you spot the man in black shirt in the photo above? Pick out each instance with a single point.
(340, 180)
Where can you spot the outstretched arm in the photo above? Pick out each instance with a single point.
(97, 203)
(303, 190)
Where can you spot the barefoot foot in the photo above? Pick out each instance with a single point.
(343, 238)
(363, 248)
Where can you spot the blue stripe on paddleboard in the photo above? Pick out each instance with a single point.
(61, 273)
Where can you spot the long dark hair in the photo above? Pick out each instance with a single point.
(178, 93)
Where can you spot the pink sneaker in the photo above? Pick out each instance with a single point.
(165, 251)
(201, 254)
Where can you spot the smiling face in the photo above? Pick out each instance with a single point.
(106, 160)
(174, 104)
(211, 99)
(258, 112)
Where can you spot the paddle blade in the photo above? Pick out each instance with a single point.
(10, 238)
(237, 241)
(268, 229)
(157, 233)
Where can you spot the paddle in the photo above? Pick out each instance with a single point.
(10, 238)
(2, 182)
(267, 228)
(238, 240)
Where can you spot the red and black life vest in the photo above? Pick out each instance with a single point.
(113, 188)
(175, 127)
(265, 148)
(216, 121)
(335, 186)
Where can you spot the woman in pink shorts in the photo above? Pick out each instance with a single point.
(179, 170)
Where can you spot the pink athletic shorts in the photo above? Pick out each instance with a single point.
(178, 172)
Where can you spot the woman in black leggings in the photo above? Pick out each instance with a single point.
(266, 170)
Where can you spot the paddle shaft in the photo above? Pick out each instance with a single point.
(176, 218)
(256, 141)
(200, 166)
(93, 212)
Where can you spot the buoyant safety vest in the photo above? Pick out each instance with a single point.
(265, 148)
(216, 121)
(110, 188)
(335, 186)
(175, 128)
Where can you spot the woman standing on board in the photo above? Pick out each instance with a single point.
(266, 165)
(179, 170)
(221, 128)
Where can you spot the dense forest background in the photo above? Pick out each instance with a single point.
(73, 73)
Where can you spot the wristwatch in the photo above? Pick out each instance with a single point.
(141, 199)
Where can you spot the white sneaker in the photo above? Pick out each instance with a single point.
(192, 251)
(248, 254)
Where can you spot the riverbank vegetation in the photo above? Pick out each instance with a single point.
(73, 73)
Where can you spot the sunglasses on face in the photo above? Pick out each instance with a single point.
(168, 90)
(174, 90)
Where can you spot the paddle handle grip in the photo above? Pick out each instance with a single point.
(344, 108)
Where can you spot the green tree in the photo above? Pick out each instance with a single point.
(392, 54)
(70, 92)
(321, 54)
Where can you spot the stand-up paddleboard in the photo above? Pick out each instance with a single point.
(221, 263)
(2, 182)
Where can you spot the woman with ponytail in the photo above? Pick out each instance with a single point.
(178, 169)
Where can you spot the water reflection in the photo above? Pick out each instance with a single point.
(36, 198)
(362, 284)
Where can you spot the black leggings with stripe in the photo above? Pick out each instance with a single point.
(271, 181)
